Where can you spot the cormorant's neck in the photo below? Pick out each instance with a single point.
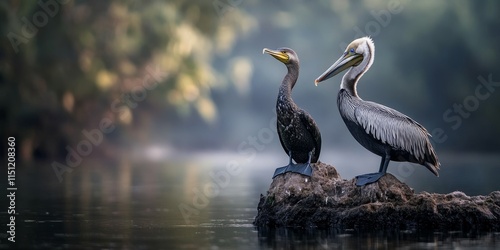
(351, 78)
(285, 93)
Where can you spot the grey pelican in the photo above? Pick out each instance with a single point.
(299, 135)
(380, 129)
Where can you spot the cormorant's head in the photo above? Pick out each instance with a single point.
(354, 54)
(284, 55)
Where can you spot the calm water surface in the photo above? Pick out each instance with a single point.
(209, 201)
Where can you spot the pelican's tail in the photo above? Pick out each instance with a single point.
(432, 167)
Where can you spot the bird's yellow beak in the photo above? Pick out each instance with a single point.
(281, 56)
(347, 60)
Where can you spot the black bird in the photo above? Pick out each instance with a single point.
(299, 135)
(380, 129)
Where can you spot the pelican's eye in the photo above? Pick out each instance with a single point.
(351, 50)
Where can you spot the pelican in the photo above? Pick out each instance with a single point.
(380, 129)
(299, 135)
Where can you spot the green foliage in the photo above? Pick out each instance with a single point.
(68, 65)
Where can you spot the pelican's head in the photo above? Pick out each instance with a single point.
(355, 53)
(284, 55)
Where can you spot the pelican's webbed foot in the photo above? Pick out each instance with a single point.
(365, 179)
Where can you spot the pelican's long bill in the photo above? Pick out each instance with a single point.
(281, 56)
(347, 60)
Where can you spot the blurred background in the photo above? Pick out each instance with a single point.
(111, 102)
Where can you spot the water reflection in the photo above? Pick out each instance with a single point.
(137, 205)
(350, 239)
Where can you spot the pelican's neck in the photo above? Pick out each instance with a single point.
(351, 78)
(285, 93)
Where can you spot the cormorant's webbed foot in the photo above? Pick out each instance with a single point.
(301, 168)
(285, 169)
(304, 168)
(365, 179)
(282, 170)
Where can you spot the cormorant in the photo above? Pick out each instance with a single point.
(380, 129)
(299, 135)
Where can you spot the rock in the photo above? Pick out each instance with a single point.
(326, 200)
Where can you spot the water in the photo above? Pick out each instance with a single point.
(208, 201)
